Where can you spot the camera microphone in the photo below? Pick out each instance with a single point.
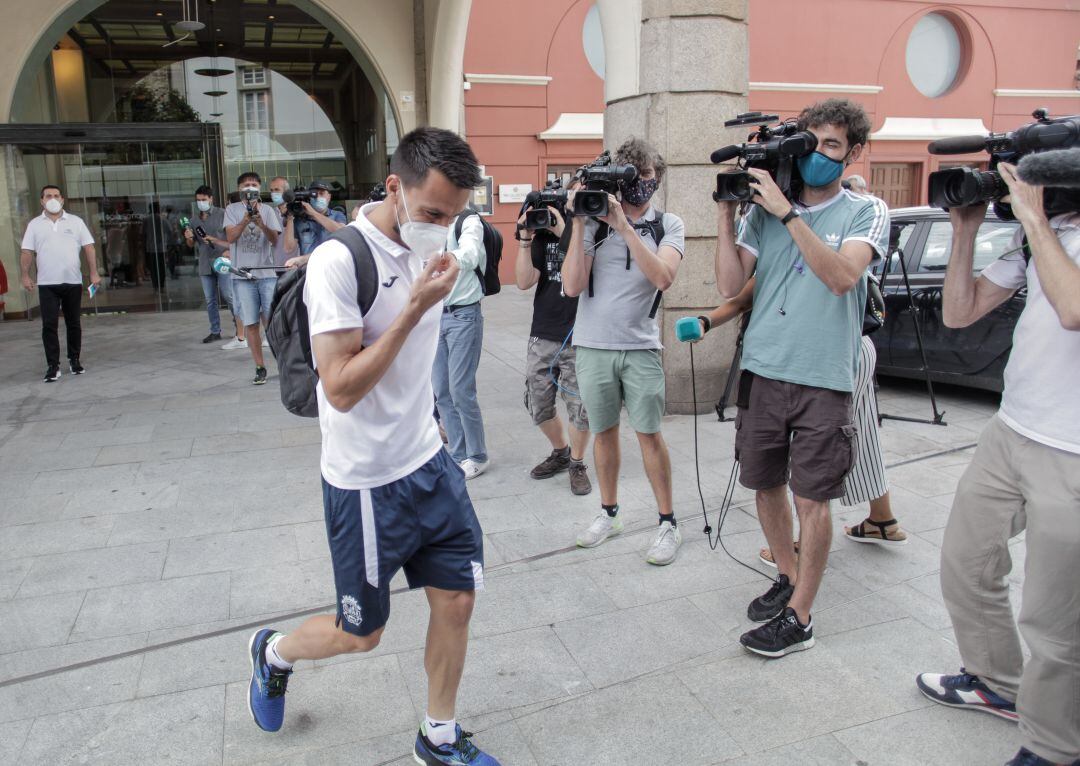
(1060, 167)
(726, 153)
(957, 145)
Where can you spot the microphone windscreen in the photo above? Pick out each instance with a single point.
(1058, 167)
(222, 265)
(957, 145)
(688, 329)
(725, 153)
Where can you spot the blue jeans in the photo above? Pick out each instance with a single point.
(254, 296)
(454, 380)
(210, 285)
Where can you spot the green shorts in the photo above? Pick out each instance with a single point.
(607, 378)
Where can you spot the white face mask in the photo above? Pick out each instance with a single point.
(54, 206)
(424, 239)
(203, 205)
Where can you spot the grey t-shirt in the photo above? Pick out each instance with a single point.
(214, 226)
(252, 249)
(617, 316)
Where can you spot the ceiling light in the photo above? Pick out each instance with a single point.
(270, 17)
(215, 93)
(159, 13)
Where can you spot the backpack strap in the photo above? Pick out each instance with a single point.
(655, 227)
(367, 273)
(602, 231)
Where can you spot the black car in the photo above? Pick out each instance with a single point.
(973, 356)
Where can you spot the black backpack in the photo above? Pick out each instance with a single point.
(655, 227)
(287, 330)
(493, 247)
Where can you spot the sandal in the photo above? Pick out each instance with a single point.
(765, 556)
(864, 532)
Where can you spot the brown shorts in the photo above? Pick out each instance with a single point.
(786, 430)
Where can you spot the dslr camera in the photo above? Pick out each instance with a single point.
(772, 147)
(249, 198)
(598, 180)
(963, 187)
(538, 214)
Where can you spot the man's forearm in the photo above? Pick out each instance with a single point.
(651, 264)
(839, 271)
(26, 260)
(360, 373)
(327, 222)
(91, 259)
(525, 275)
(232, 233)
(958, 291)
(727, 265)
(1059, 276)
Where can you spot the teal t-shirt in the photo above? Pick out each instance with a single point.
(815, 341)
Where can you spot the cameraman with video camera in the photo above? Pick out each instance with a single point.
(619, 258)
(1025, 474)
(800, 354)
(543, 233)
(319, 221)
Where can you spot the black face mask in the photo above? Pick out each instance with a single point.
(640, 191)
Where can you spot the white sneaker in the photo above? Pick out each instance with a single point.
(235, 343)
(473, 468)
(601, 529)
(665, 546)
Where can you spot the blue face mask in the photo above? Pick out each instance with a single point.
(818, 170)
(277, 198)
(321, 203)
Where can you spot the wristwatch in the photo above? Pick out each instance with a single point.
(791, 215)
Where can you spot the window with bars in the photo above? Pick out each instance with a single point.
(256, 111)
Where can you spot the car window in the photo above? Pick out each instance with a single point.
(991, 243)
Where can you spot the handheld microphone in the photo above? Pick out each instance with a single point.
(223, 265)
(1059, 167)
(688, 329)
(957, 145)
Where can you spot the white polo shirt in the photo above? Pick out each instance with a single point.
(1040, 400)
(57, 247)
(391, 432)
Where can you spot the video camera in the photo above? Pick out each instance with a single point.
(598, 180)
(378, 193)
(538, 204)
(295, 199)
(963, 187)
(773, 148)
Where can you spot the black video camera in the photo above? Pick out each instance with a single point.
(773, 148)
(378, 193)
(538, 204)
(964, 187)
(295, 199)
(249, 197)
(598, 180)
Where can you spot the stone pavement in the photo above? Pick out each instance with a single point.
(154, 509)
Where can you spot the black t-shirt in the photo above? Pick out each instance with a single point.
(553, 312)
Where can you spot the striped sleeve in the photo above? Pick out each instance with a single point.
(871, 225)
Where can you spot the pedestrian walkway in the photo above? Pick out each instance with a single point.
(154, 509)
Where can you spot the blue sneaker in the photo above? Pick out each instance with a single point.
(966, 691)
(266, 692)
(461, 753)
(1027, 758)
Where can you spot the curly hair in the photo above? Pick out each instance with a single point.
(641, 154)
(838, 111)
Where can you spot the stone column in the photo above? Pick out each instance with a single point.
(692, 74)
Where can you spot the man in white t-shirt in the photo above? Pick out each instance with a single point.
(1025, 475)
(393, 497)
(52, 242)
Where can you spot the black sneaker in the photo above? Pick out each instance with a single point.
(556, 462)
(52, 373)
(260, 376)
(212, 337)
(764, 608)
(781, 635)
(76, 366)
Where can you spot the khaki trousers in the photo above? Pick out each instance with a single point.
(1013, 484)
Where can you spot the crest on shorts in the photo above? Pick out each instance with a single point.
(350, 610)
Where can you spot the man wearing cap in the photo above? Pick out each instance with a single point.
(320, 222)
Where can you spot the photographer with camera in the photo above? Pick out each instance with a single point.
(318, 221)
(543, 233)
(618, 258)
(287, 248)
(1023, 475)
(801, 353)
(252, 229)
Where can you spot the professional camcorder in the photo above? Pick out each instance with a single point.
(772, 147)
(295, 199)
(378, 193)
(963, 187)
(538, 213)
(598, 180)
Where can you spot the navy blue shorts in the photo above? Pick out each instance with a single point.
(424, 523)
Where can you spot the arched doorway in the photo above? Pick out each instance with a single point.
(127, 108)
